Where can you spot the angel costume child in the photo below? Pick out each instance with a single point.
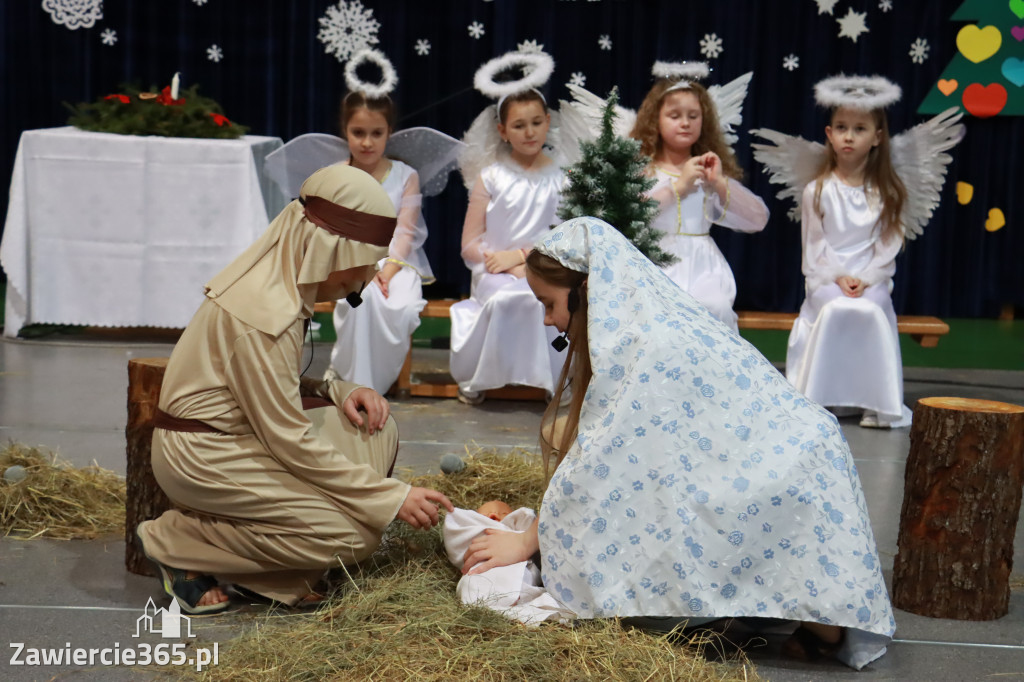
(686, 130)
(695, 482)
(374, 329)
(859, 196)
(268, 495)
(498, 334)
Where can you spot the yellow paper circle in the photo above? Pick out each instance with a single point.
(964, 192)
(978, 44)
(995, 221)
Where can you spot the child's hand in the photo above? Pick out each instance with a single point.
(690, 174)
(851, 286)
(712, 169)
(384, 275)
(494, 548)
(502, 261)
(419, 509)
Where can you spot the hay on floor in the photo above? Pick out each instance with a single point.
(56, 499)
(397, 618)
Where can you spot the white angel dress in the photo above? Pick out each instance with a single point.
(844, 352)
(685, 223)
(498, 335)
(373, 339)
(514, 590)
(701, 483)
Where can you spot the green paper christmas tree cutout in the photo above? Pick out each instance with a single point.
(986, 76)
(609, 183)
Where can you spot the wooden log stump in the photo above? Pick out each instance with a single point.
(961, 500)
(144, 498)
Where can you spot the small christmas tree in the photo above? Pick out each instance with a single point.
(609, 182)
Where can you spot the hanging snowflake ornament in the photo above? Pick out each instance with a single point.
(530, 46)
(885, 5)
(605, 42)
(74, 14)
(791, 62)
(711, 45)
(199, 2)
(919, 51)
(109, 36)
(852, 25)
(347, 28)
(214, 53)
(825, 6)
(578, 79)
(422, 47)
(476, 30)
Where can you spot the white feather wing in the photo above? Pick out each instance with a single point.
(728, 99)
(919, 158)
(790, 161)
(482, 143)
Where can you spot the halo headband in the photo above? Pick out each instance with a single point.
(693, 71)
(388, 77)
(349, 223)
(537, 69)
(857, 92)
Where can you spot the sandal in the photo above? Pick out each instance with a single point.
(804, 645)
(184, 590)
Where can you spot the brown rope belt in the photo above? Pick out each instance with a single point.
(162, 420)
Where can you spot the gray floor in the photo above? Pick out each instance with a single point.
(69, 396)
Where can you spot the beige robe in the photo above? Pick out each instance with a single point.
(284, 494)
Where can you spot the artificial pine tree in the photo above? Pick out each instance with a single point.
(609, 182)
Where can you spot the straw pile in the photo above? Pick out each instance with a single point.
(397, 618)
(57, 500)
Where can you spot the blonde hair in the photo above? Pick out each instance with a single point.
(577, 371)
(711, 139)
(879, 175)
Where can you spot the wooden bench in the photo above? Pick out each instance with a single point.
(925, 330)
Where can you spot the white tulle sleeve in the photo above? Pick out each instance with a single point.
(411, 231)
(475, 226)
(743, 210)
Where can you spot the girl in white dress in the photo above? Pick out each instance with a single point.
(374, 337)
(698, 184)
(498, 335)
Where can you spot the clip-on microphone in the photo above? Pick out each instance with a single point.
(560, 343)
(355, 299)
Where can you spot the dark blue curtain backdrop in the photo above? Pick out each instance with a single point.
(277, 78)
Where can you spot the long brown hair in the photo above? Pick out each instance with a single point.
(525, 96)
(711, 139)
(577, 370)
(354, 101)
(879, 175)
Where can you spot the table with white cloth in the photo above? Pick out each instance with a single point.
(123, 231)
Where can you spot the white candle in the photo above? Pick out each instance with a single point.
(174, 86)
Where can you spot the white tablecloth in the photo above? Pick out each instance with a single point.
(119, 230)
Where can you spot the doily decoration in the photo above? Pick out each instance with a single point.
(537, 69)
(388, 77)
(347, 28)
(857, 92)
(74, 14)
(693, 71)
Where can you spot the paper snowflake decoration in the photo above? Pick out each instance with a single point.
(852, 25)
(530, 46)
(74, 14)
(214, 53)
(885, 5)
(919, 51)
(347, 28)
(109, 36)
(578, 79)
(476, 30)
(605, 42)
(791, 62)
(825, 6)
(199, 2)
(422, 47)
(711, 45)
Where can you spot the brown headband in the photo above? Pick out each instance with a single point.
(349, 223)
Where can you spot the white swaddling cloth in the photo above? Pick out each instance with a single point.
(514, 590)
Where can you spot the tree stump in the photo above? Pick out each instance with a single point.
(961, 500)
(144, 498)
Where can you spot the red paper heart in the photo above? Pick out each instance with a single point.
(984, 101)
